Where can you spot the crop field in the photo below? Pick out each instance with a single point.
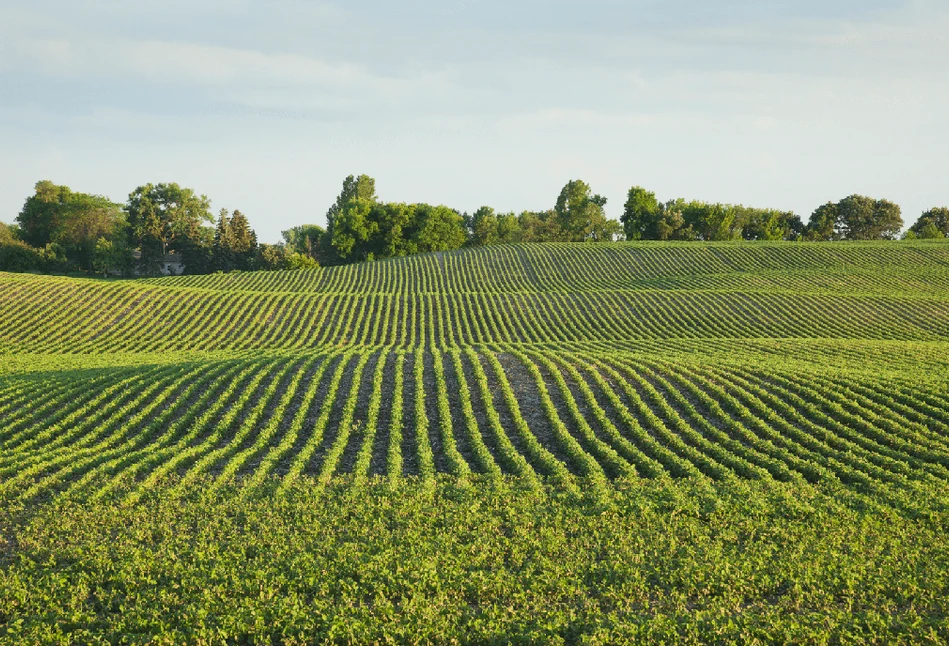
(576, 443)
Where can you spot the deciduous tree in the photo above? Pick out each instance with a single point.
(865, 218)
(641, 214)
(933, 224)
(163, 218)
(823, 223)
(580, 213)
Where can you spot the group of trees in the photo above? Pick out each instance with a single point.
(578, 216)
(855, 217)
(361, 227)
(56, 226)
(61, 230)
(646, 218)
(932, 225)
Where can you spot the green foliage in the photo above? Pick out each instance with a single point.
(641, 215)
(645, 218)
(484, 227)
(769, 224)
(856, 217)
(111, 257)
(865, 218)
(671, 224)
(243, 242)
(823, 223)
(364, 229)
(580, 214)
(234, 245)
(546, 443)
(540, 226)
(652, 562)
(88, 218)
(932, 225)
(711, 221)
(167, 217)
(73, 221)
(42, 213)
(354, 188)
(354, 228)
(930, 231)
(310, 240)
(16, 255)
(273, 257)
(222, 242)
(433, 228)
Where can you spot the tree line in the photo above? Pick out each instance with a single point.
(61, 230)
(855, 217)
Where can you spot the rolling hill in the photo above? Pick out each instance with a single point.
(820, 371)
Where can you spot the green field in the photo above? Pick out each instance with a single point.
(661, 443)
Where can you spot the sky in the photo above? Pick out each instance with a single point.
(267, 106)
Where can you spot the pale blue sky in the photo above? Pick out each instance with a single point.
(267, 106)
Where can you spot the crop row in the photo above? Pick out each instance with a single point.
(159, 321)
(574, 418)
(554, 267)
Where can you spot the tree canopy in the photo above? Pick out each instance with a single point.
(581, 216)
(73, 221)
(309, 240)
(641, 215)
(164, 218)
(646, 218)
(855, 217)
(362, 228)
(59, 229)
(932, 225)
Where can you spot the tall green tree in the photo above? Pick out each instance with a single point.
(435, 228)
(932, 224)
(243, 241)
(711, 221)
(42, 213)
(222, 245)
(234, 243)
(391, 226)
(164, 218)
(73, 221)
(865, 218)
(352, 229)
(111, 257)
(484, 226)
(856, 217)
(671, 224)
(540, 226)
(580, 213)
(823, 224)
(362, 187)
(641, 214)
(86, 219)
(509, 228)
(349, 222)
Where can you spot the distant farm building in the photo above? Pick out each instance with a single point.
(172, 264)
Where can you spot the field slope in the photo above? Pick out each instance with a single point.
(695, 442)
